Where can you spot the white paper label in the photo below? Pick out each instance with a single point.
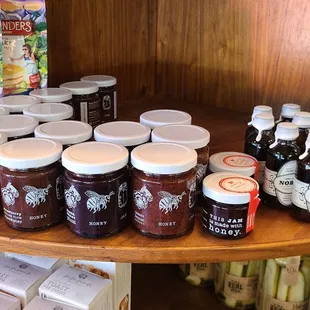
(84, 112)
(301, 195)
(261, 168)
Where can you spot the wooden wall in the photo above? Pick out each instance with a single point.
(226, 53)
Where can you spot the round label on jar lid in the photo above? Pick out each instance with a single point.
(157, 118)
(3, 138)
(163, 158)
(123, 133)
(16, 104)
(100, 80)
(233, 162)
(49, 112)
(4, 111)
(65, 132)
(194, 137)
(29, 153)
(93, 158)
(17, 125)
(52, 94)
(81, 88)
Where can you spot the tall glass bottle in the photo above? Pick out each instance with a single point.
(302, 120)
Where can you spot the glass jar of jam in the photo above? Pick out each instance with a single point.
(301, 193)
(18, 126)
(65, 132)
(281, 165)
(49, 112)
(288, 111)
(193, 137)
(96, 188)
(230, 204)
(107, 93)
(4, 111)
(86, 102)
(31, 187)
(257, 110)
(164, 189)
(157, 118)
(258, 142)
(16, 104)
(302, 120)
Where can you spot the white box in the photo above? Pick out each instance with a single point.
(40, 261)
(8, 302)
(119, 273)
(78, 288)
(42, 304)
(20, 279)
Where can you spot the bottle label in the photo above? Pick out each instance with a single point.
(261, 168)
(301, 195)
(273, 303)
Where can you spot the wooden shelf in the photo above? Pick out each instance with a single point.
(275, 234)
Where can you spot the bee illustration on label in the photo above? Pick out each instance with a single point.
(9, 194)
(201, 172)
(96, 202)
(122, 195)
(72, 197)
(169, 202)
(35, 196)
(142, 198)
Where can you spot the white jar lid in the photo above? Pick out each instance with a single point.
(3, 138)
(16, 104)
(100, 80)
(260, 109)
(95, 158)
(49, 112)
(80, 88)
(52, 94)
(65, 132)
(233, 162)
(191, 136)
(302, 119)
(18, 125)
(123, 133)
(163, 158)
(4, 111)
(29, 153)
(229, 188)
(156, 118)
(289, 109)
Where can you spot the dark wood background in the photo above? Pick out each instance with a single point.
(225, 53)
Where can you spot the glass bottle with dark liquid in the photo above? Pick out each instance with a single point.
(280, 169)
(288, 111)
(301, 187)
(257, 110)
(302, 120)
(258, 142)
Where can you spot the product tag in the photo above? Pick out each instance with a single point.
(253, 205)
(291, 270)
(277, 304)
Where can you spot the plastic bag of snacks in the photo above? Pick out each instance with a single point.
(284, 283)
(24, 45)
(236, 284)
(198, 274)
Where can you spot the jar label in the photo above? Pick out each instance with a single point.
(239, 161)
(301, 194)
(261, 169)
(91, 113)
(202, 270)
(273, 303)
(108, 106)
(142, 198)
(97, 202)
(201, 172)
(290, 273)
(36, 196)
(9, 194)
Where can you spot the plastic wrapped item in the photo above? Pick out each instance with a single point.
(236, 283)
(198, 274)
(284, 284)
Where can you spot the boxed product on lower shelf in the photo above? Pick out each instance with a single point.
(119, 273)
(78, 288)
(20, 279)
(42, 304)
(8, 302)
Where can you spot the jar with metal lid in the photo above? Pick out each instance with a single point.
(302, 120)
(31, 187)
(65, 132)
(86, 101)
(157, 118)
(107, 92)
(193, 137)
(230, 204)
(49, 112)
(18, 126)
(288, 111)
(164, 189)
(96, 188)
(198, 274)
(3, 139)
(16, 104)
(4, 111)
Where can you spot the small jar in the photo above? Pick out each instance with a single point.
(302, 120)
(198, 274)
(234, 162)
(288, 111)
(86, 102)
(49, 112)
(18, 126)
(164, 189)
(4, 111)
(230, 204)
(193, 137)
(65, 132)
(31, 187)
(236, 284)
(16, 104)
(107, 92)
(96, 188)
(157, 118)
